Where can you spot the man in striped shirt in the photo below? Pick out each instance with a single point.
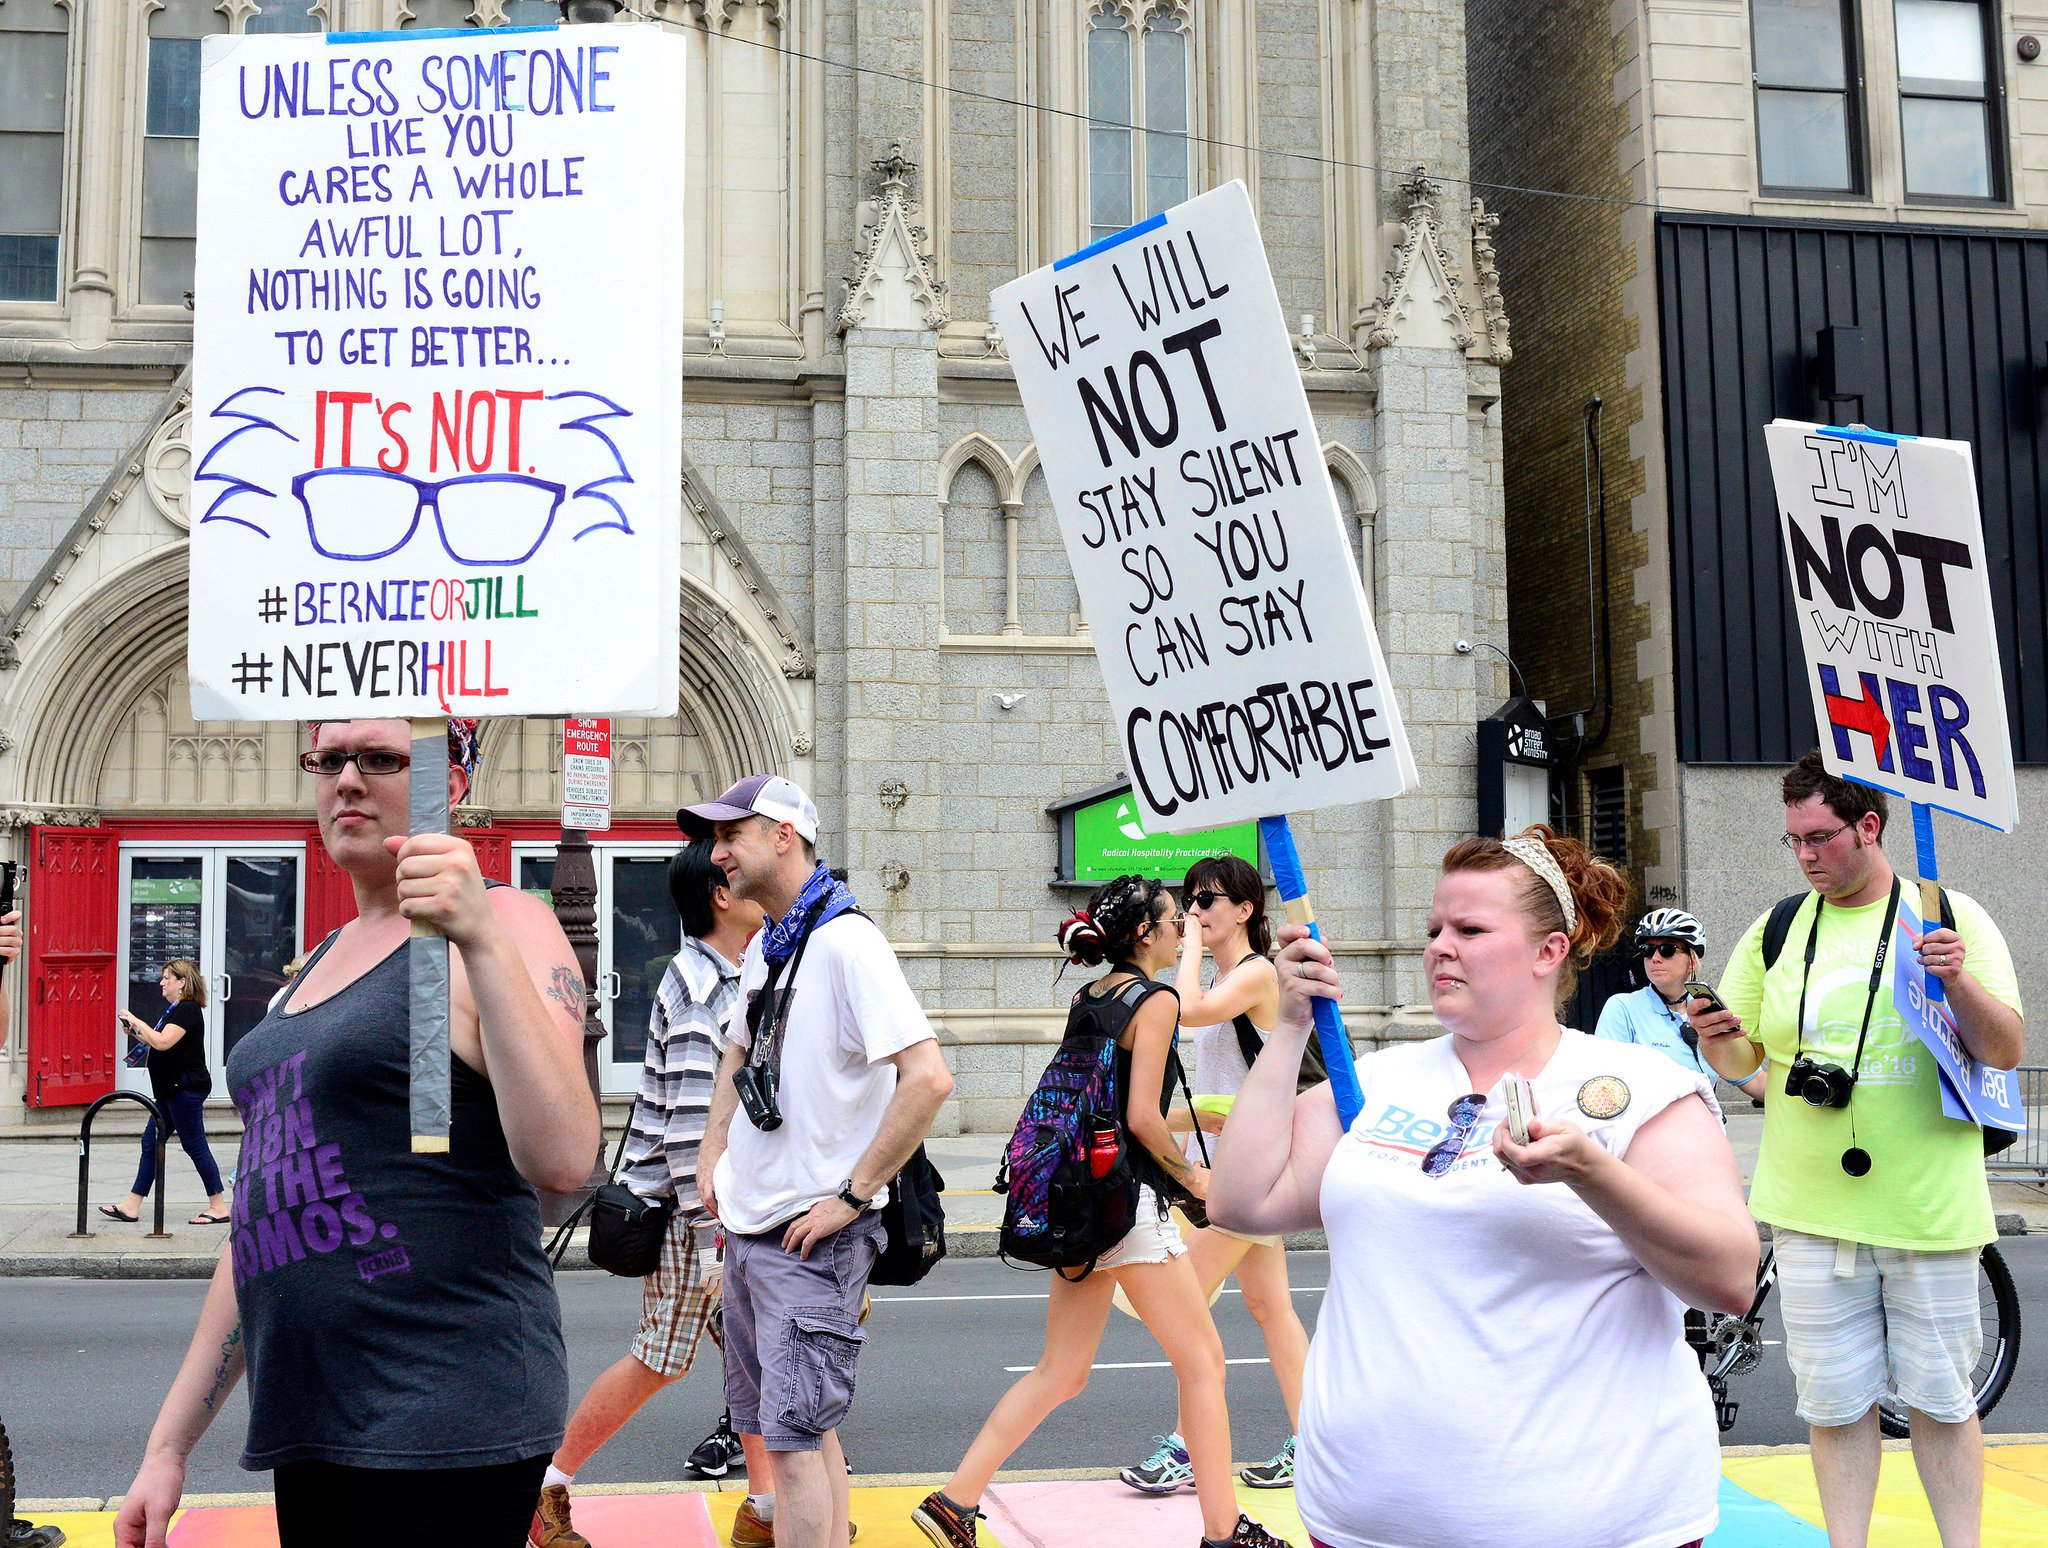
(686, 1038)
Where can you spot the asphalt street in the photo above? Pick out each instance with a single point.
(83, 1364)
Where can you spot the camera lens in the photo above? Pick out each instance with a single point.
(1816, 1091)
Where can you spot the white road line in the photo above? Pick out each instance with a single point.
(883, 1300)
(1136, 1365)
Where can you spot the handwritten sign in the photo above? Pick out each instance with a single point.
(1234, 635)
(587, 774)
(1893, 591)
(436, 411)
(1973, 1092)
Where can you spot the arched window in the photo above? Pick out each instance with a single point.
(34, 41)
(442, 13)
(284, 16)
(1048, 605)
(1139, 111)
(532, 13)
(977, 579)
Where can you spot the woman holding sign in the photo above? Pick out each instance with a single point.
(391, 1306)
(1500, 1356)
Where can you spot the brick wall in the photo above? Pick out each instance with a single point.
(57, 445)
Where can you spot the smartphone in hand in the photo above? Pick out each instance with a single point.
(1521, 1101)
(1695, 990)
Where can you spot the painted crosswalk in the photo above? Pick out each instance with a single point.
(1766, 1502)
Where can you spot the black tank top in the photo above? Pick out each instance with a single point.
(1110, 1014)
(397, 1311)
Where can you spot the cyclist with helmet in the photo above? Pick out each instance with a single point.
(1672, 944)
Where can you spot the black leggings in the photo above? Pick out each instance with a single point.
(323, 1503)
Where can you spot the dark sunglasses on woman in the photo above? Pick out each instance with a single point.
(1665, 949)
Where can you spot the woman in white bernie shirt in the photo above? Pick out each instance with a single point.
(1500, 1355)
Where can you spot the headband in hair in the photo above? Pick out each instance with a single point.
(1536, 855)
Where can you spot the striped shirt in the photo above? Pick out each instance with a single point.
(686, 1037)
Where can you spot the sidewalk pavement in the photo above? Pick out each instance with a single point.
(39, 1190)
(1767, 1501)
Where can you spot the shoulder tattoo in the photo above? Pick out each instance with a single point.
(565, 988)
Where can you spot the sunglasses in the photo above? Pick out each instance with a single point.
(1666, 949)
(1444, 1154)
(329, 762)
(1208, 899)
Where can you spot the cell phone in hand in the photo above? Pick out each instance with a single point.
(1695, 990)
(1521, 1100)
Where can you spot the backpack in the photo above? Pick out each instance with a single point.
(1779, 925)
(915, 1222)
(1058, 1213)
(1314, 1072)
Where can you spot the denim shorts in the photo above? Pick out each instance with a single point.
(793, 1333)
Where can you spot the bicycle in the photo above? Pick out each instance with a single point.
(1728, 1346)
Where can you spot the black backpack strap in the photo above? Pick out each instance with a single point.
(1248, 1040)
(1779, 925)
(1948, 914)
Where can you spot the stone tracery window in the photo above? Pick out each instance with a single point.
(1140, 68)
(1005, 579)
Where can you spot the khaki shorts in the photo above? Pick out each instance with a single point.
(1905, 1319)
(678, 1303)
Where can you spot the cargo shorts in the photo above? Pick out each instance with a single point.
(793, 1333)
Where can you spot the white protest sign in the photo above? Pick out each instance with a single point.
(1893, 591)
(1235, 639)
(436, 414)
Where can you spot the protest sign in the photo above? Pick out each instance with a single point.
(1233, 632)
(1892, 587)
(437, 374)
(1973, 1092)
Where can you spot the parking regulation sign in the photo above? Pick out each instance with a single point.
(587, 774)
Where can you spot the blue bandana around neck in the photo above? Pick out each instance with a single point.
(823, 898)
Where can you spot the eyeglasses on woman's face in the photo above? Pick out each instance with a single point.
(1206, 898)
(1666, 949)
(328, 762)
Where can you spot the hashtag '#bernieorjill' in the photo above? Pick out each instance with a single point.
(252, 672)
(271, 608)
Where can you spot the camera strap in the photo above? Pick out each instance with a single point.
(1884, 946)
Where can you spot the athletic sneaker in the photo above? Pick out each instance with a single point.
(1246, 1534)
(26, 1534)
(1166, 1470)
(750, 1531)
(551, 1526)
(946, 1524)
(1276, 1474)
(718, 1451)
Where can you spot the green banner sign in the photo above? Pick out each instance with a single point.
(1110, 841)
(163, 889)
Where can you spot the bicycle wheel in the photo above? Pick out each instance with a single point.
(1998, 1304)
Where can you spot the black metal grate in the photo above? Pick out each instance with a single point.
(1607, 813)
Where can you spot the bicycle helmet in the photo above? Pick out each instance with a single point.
(1671, 924)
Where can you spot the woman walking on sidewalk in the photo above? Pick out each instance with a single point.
(1132, 925)
(179, 1082)
(1225, 897)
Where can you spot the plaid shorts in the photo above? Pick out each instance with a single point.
(678, 1303)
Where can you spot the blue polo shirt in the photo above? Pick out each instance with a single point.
(1643, 1017)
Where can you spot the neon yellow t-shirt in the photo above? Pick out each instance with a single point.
(1925, 1189)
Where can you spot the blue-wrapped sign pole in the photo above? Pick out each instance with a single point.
(1330, 1033)
(1930, 882)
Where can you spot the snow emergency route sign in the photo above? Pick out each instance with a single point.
(587, 774)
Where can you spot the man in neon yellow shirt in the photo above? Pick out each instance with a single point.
(1878, 1204)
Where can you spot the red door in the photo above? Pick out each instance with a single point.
(73, 916)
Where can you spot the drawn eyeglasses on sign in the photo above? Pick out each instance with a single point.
(485, 519)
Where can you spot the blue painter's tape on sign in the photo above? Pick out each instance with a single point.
(1864, 433)
(1114, 239)
(432, 34)
(1907, 795)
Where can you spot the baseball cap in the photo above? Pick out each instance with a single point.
(758, 795)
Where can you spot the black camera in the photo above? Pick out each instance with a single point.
(756, 1085)
(1818, 1084)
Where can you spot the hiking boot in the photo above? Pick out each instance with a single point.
(750, 1531)
(551, 1526)
(946, 1524)
(1246, 1534)
(1166, 1470)
(1276, 1474)
(718, 1451)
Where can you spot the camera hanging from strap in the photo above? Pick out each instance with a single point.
(1855, 1160)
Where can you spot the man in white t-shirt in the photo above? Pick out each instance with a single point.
(838, 1076)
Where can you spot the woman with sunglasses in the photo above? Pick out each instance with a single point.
(1225, 1024)
(1500, 1355)
(1130, 924)
(390, 1302)
(1671, 945)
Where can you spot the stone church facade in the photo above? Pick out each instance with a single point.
(875, 599)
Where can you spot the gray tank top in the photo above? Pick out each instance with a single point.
(396, 1309)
